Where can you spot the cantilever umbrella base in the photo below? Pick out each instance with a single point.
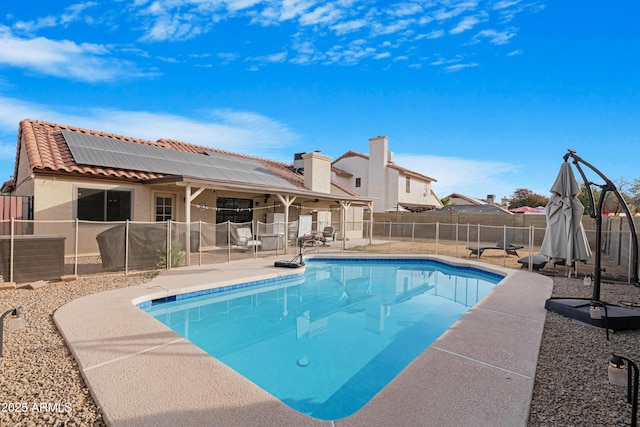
(618, 318)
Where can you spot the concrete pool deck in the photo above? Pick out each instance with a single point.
(479, 373)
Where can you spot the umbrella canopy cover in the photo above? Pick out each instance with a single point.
(565, 238)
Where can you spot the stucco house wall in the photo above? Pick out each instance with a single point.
(358, 167)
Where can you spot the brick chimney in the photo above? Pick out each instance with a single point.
(317, 172)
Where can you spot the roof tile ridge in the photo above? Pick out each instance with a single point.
(27, 134)
(350, 153)
(52, 126)
(345, 189)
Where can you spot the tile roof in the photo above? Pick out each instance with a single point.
(48, 152)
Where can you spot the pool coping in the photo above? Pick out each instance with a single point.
(480, 372)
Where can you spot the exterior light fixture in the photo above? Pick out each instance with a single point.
(14, 322)
(618, 375)
(617, 372)
(595, 313)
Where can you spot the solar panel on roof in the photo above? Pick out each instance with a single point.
(108, 152)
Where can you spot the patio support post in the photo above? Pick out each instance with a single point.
(168, 244)
(187, 237)
(287, 201)
(228, 241)
(345, 206)
(126, 247)
(189, 197)
(75, 261)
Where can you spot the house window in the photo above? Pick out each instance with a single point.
(408, 184)
(103, 205)
(358, 182)
(164, 208)
(234, 210)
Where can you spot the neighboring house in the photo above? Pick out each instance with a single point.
(460, 203)
(75, 173)
(461, 199)
(528, 210)
(472, 209)
(375, 176)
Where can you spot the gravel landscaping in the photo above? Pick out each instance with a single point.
(40, 383)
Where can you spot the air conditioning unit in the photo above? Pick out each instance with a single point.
(298, 161)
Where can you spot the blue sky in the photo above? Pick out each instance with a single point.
(483, 96)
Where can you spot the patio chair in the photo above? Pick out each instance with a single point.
(537, 262)
(329, 232)
(246, 240)
(502, 245)
(313, 238)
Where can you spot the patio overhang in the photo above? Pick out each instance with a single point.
(194, 186)
(300, 194)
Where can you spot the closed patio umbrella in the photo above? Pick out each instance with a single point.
(565, 238)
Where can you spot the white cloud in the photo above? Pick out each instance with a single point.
(228, 57)
(235, 5)
(436, 34)
(459, 9)
(505, 4)
(176, 27)
(349, 26)
(326, 14)
(167, 59)
(443, 61)
(467, 23)
(457, 175)
(405, 9)
(458, 67)
(75, 12)
(494, 36)
(313, 20)
(238, 131)
(294, 8)
(390, 28)
(63, 58)
(272, 58)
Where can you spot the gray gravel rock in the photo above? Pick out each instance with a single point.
(571, 386)
(40, 383)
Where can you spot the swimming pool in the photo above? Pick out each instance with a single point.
(327, 341)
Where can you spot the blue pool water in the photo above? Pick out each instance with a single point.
(327, 341)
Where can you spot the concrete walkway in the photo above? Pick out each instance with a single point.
(140, 373)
